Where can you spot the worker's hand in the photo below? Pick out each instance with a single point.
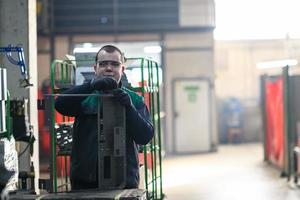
(123, 97)
(103, 83)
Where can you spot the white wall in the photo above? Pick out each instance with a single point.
(237, 75)
(187, 55)
(235, 64)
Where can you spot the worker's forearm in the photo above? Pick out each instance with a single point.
(70, 105)
(139, 124)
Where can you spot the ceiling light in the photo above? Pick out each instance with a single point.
(152, 49)
(277, 63)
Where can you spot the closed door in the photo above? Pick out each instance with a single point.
(192, 115)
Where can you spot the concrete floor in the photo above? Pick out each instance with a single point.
(235, 172)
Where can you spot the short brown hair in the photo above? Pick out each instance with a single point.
(111, 49)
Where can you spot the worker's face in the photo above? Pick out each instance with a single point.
(109, 64)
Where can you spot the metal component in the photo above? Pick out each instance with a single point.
(21, 62)
(288, 140)
(3, 99)
(22, 130)
(64, 138)
(111, 144)
(152, 152)
(127, 194)
(44, 184)
(49, 104)
(3, 84)
(41, 104)
(62, 76)
(2, 118)
(23, 175)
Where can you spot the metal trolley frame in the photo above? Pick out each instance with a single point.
(63, 77)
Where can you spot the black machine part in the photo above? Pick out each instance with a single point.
(22, 131)
(111, 144)
(64, 138)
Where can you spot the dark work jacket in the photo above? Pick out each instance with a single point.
(139, 130)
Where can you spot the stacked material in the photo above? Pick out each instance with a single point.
(8, 164)
(8, 153)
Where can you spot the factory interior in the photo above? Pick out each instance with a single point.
(217, 79)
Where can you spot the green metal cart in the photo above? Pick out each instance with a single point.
(63, 77)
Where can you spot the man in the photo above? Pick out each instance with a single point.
(109, 68)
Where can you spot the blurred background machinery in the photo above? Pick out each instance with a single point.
(15, 127)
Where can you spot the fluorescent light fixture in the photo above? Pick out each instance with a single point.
(87, 45)
(277, 64)
(84, 50)
(152, 49)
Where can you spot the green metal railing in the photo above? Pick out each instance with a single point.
(154, 185)
(62, 76)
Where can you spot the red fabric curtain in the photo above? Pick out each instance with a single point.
(275, 121)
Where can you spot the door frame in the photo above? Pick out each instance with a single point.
(173, 96)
